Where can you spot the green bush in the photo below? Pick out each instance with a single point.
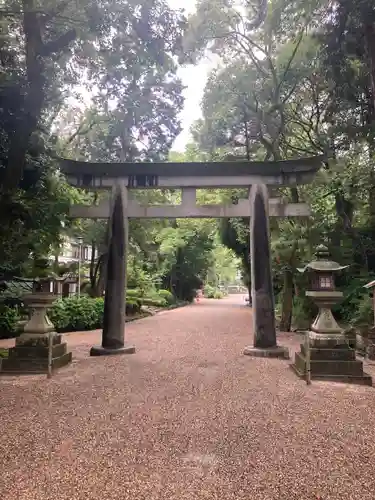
(347, 311)
(134, 293)
(303, 312)
(133, 305)
(9, 318)
(157, 302)
(82, 313)
(364, 314)
(212, 293)
(77, 313)
(209, 292)
(59, 315)
(167, 296)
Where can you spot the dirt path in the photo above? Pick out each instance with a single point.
(186, 417)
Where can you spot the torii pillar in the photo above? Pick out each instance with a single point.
(264, 328)
(115, 291)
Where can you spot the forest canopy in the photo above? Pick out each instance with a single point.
(99, 81)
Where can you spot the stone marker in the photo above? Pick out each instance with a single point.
(114, 302)
(265, 344)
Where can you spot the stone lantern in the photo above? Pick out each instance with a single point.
(30, 354)
(331, 358)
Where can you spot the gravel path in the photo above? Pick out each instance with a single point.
(186, 417)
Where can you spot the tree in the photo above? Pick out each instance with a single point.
(135, 96)
(246, 99)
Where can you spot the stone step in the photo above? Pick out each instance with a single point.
(37, 351)
(330, 354)
(17, 365)
(330, 367)
(38, 341)
(363, 379)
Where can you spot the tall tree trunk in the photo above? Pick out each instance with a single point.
(33, 99)
(369, 31)
(92, 266)
(370, 45)
(34, 94)
(287, 301)
(288, 281)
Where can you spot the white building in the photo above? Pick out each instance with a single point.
(69, 252)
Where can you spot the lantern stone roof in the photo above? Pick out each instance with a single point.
(322, 262)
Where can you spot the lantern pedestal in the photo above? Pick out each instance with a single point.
(30, 355)
(331, 357)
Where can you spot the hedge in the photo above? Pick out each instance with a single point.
(9, 320)
(212, 293)
(82, 313)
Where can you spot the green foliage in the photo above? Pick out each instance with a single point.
(304, 312)
(9, 318)
(133, 305)
(209, 291)
(291, 89)
(125, 55)
(154, 302)
(77, 314)
(212, 293)
(167, 296)
(86, 313)
(364, 314)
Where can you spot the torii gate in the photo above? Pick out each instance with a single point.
(123, 178)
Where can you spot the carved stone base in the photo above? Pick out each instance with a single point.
(30, 355)
(270, 352)
(103, 351)
(335, 364)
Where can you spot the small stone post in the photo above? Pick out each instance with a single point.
(113, 336)
(264, 328)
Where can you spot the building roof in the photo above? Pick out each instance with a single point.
(371, 284)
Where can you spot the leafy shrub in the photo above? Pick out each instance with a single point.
(81, 313)
(303, 312)
(134, 293)
(209, 292)
(364, 314)
(167, 296)
(77, 313)
(158, 302)
(59, 315)
(347, 311)
(212, 293)
(9, 318)
(134, 301)
(133, 305)
(84, 313)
